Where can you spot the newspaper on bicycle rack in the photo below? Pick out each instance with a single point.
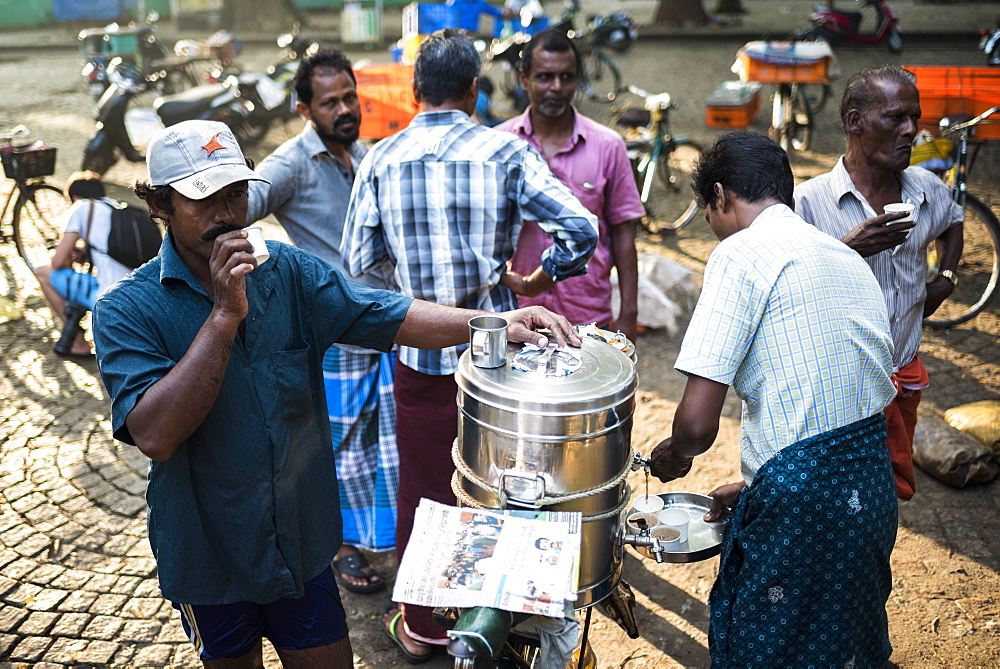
(524, 561)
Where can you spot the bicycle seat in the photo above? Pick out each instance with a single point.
(187, 104)
(658, 101)
(634, 117)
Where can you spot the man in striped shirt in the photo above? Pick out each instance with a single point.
(444, 202)
(879, 113)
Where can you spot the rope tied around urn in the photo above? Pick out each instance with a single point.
(461, 470)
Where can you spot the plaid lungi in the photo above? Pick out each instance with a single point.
(804, 574)
(363, 426)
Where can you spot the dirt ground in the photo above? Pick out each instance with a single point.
(945, 606)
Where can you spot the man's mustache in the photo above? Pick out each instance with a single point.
(210, 235)
(347, 117)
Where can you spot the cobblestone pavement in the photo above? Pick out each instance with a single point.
(77, 580)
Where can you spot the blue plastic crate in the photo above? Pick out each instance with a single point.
(426, 18)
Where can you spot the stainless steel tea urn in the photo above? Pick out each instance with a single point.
(562, 443)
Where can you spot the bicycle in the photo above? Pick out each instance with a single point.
(795, 99)
(662, 162)
(979, 268)
(599, 79)
(36, 204)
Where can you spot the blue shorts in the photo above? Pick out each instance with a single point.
(233, 630)
(75, 286)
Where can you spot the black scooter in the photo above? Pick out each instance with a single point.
(125, 122)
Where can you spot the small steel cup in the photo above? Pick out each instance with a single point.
(488, 335)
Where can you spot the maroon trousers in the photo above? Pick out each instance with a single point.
(426, 428)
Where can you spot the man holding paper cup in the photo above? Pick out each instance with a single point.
(214, 367)
(863, 202)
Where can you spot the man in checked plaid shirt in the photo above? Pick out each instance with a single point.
(444, 202)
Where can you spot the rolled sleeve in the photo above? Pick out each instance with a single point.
(543, 198)
(622, 202)
(131, 358)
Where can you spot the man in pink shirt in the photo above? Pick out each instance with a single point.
(592, 161)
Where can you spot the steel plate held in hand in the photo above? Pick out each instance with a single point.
(704, 539)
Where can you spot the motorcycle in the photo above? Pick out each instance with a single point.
(271, 96)
(614, 31)
(139, 45)
(989, 43)
(835, 25)
(130, 111)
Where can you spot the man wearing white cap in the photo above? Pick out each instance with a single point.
(214, 367)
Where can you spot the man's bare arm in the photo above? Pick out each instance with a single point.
(431, 326)
(173, 407)
(627, 264)
(949, 252)
(695, 426)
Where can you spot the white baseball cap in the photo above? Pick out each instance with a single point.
(197, 158)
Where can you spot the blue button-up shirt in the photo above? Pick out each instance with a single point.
(247, 507)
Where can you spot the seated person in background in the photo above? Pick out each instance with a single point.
(89, 219)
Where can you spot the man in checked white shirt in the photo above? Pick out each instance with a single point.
(879, 114)
(443, 202)
(794, 320)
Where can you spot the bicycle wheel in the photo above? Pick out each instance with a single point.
(35, 230)
(666, 188)
(977, 271)
(816, 96)
(604, 81)
(176, 80)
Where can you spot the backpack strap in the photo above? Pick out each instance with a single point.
(87, 258)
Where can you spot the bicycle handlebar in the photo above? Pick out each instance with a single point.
(653, 100)
(968, 124)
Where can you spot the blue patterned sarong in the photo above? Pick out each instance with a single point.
(804, 574)
(362, 413)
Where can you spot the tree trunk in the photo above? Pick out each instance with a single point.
(726, 7)
(272, 16)
(681, 12)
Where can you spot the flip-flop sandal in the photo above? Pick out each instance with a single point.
(390, 631)
(355, 565)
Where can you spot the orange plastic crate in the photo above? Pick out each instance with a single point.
(947, 91)
(732, 116)
(769, 73)
(387, 102)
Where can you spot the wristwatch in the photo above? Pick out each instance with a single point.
(950, 275)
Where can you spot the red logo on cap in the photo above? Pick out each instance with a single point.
(213, 144)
